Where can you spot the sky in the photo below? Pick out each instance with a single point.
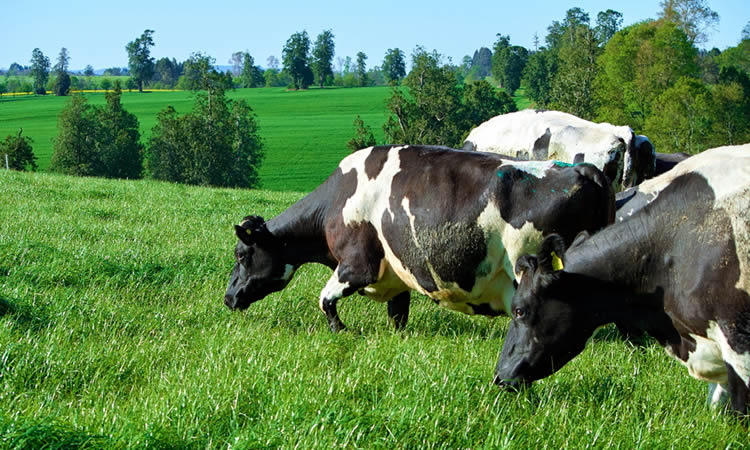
(96, 33)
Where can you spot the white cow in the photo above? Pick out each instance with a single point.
(627, 159)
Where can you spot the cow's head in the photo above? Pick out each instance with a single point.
(259, 267)
(550, 323)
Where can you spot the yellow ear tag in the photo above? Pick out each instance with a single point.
(249, 232)
(557, 263)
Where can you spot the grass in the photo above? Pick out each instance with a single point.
(113, 334)
(305, 132)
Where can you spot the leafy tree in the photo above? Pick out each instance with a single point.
(140, 62)
(39, 71)
(694, 17)
(97, 140)
(746, 31)
(638, 64)
(481, 102)
(394, 66)
(502, 43)
(362, 68)
(63, 61)
(215, 144)
(295, 56)
(681, 118)
(272, 62)
(323, 56)
(74, 148)
(236, 61)
(62, 84)
(167, 72)
(251, 74)
(363, 136)
(119, 150)
(199, 74)
(508, 63)
(88, 71)
(538, 74)
(731, 107)
(19, 152)
(738, 57)
(573, 84)
(106, 84)
(481, 64)
(607, 24)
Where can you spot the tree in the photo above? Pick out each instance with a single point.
(295, 56)
(694, 17)
(39, 71)
(63, 61)
(508, 63)
(322, 53)
(237, 61)
(140, 62)
(88, 71)
(19, 152)
(119, 150)
(481, 102)
(74, 149)
(272, 62)
(217, 143)
(607, 24)
(106, 84)
(681, 119)
(481, 64)
(540, 69)
(167, 72)
(362, 68)
(394, 66)
(746, 31)
(363, 136)
(637, 65)
(251, 75)
(573, 84)
(199, 74)
(731, 107)
(62, 84)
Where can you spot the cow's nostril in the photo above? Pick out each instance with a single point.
(229, 301)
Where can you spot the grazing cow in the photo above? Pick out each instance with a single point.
(665, 161)
(678, 269)
(446, 223)
(627, 159)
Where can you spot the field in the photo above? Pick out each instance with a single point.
(113, 334)
(305, 132)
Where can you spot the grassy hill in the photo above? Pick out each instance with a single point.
(305, 132)
(113, 334)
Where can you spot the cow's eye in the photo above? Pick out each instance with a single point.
(519, 312)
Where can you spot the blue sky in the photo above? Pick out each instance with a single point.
(96, 32)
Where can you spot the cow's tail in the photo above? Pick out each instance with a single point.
(590, 172)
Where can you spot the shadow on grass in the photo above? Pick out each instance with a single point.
(23, 316)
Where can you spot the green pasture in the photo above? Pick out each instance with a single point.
(305, 132)
(113, 334)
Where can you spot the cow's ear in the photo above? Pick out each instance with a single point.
(251, 230)
(526, 263)
(552, 254)
(244, 234)
(580, 237)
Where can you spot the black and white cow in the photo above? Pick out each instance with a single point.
(627, 159)
(677, 268)
(447, 223)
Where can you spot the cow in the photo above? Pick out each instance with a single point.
(678, 268)
(446, 223)
(627, 159)
(665, 161)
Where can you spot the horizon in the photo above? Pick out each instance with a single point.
(87, 31)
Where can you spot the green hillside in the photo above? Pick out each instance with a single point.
(113, 334)
(305, 132)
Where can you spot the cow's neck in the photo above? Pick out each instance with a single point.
(301, 229)
(621, 268)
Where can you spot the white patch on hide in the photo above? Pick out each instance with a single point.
(334, 289)
(707, 361)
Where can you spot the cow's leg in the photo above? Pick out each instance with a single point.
(344, 282)
(738, 391)
(398, 310)
(718, 395)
